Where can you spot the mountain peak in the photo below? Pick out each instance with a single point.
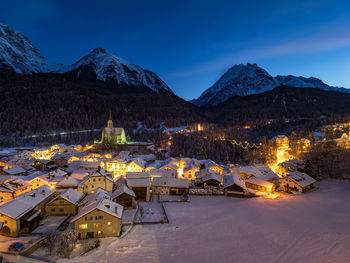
(98, 50)
(239, 80)
(242, 80)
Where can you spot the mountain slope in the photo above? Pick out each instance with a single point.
(282, 102)
(109, 67)
(18, 54)
(243, 80)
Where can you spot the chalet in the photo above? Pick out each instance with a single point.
(43, 165)
(170, 186)
(259, 184)
(15, 171)
(162, 173)
(60, 159)
(154, 165)
(189, 171)
(234, 185)
(212, 179)
(101, 218)
(67, 182)
(125, 197)
(64, 204)
(297, 181)
(23, 214)
(117, 166)
(136, 165)
(95, 181)
(203, 172)
(140, 183)
(97, 195)
(12, 188)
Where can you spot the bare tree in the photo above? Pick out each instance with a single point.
(66, 244)
(50, 241)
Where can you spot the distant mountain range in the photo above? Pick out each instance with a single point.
(18, 54)
(38, 96)
(243, 80)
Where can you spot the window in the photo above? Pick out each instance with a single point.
(61, 209)
(99, 179)
(91, 217)
(53, 209)
(96, 217)
(100, 217)
(83, 226)
(93, 180)
(109, 223)
(86, 218)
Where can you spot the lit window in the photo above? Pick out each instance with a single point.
(83, 226)
(109, 223)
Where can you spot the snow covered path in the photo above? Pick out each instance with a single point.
(313, 227)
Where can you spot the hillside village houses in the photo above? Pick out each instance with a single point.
(96, 190)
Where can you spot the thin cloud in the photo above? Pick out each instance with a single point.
(317, 43)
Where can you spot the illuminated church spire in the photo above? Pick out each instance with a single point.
(110, 122)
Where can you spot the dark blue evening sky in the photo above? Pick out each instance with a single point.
(189, 44)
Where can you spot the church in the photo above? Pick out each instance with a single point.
(111, 135)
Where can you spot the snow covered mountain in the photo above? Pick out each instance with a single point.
(110, 67)
(18, 54)
(243, 80)
(239, 80)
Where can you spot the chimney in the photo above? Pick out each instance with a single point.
(116, 210)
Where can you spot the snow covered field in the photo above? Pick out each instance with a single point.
(313, 227)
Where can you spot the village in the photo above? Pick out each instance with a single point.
(62, 196)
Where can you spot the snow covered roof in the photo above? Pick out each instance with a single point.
(138, 161)
(97, 174)
(20, 206)
(97, 195)
(139, 182)
(212, 176)
(68, 181)
(170, 182)
(146, 157)
(169, 165)
(301, 179)
(203, 172)
(137, 175)
(121, 190)
(259, 170)
(15, 170)
(259, 181)
(71, 195)
(15, 184)
(104, 205)
(161, 172)
(156, 164)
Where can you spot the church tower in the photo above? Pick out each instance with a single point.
(110, 122)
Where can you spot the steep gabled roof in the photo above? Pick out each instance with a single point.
(123, 189)
(104, 205)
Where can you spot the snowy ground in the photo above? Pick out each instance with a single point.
(312, 228)
(49, 224)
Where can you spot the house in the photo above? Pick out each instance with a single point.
(23, 214)
(212, 179)
(67, 182)
(11, 188)
(154, 165)
(101, 218)
(136, 165)
(97, 195)
(297, 181)
(203, 172)
(170, 166)
(234, 185)
(125, 197)
(94, 181)
(116, 166)
(190, 171)
(15, 171)
(42, 164)
(162, 173)
(60, 159)
(170, 186)
(140, 183)
(64, 204)
(259, 184)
